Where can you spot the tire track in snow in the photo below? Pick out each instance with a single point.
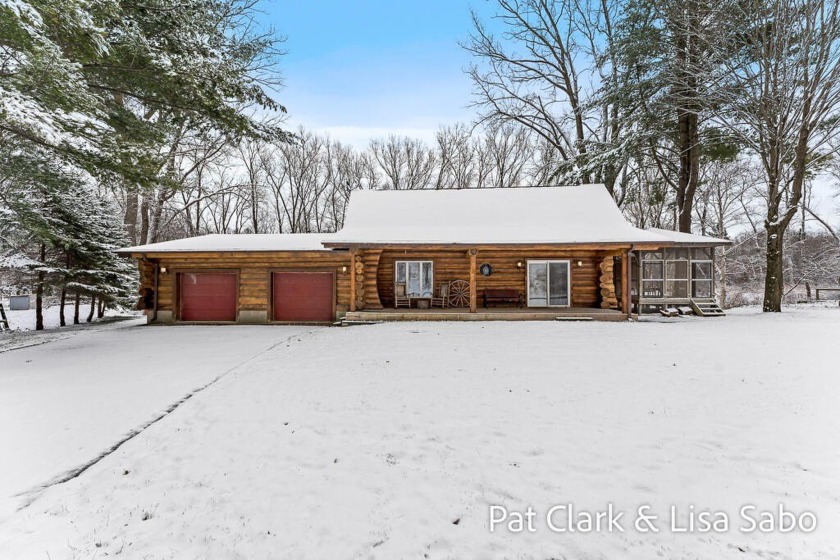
(67, 476)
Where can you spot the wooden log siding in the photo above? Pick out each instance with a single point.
(609, 300)
(375, 282)
(455, 265)
(370, 260)
(254, 273)
(147, 274)
(625, 283)
(353, 292)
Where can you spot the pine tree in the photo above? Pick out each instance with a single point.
(62, 234)
(93, 95)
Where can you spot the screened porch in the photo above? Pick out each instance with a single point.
(672, 276)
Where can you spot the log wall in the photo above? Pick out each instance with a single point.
(373, 271)
(254, 273)
(455, 265)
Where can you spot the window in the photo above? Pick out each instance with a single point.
(653, 274)
(677, 273)
(676, 254)
(418, 277)
(676, 279)
(653, 279)
(701, 254)
(701, 279)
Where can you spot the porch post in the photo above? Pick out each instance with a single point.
(352, 279)
(625, 283)
(473, 297)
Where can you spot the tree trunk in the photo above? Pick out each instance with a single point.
(776, 225)
(61, 320)
(39, 293)
(689, 146)
(100, 311)
(130, 219)
(76, 304)
(156, 217)
(774, 279)
(92, 308)
(144, 220)
(687, 121)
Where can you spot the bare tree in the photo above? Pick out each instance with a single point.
(297, 175)
(407, 163)
(724, 185)
(506, 151)
(544, 73)
(349, 171)
(779, 94)
(249, 154)
(456, 154)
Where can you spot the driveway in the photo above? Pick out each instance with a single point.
(65, 402)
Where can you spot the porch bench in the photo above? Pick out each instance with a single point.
(502, 295)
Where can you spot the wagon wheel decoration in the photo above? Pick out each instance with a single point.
(459, 293)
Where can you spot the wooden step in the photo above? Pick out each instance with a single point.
(706, 308)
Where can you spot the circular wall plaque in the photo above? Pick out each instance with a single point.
(486, 269)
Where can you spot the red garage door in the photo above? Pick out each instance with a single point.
(303, 296)
(208, 296)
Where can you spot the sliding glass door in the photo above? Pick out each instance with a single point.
(548, 284)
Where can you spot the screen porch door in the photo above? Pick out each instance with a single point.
(548, 283)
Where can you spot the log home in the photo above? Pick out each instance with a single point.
(515, 253)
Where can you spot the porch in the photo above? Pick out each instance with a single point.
(487, 314)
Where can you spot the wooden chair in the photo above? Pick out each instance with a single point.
(400, 298)
(442, 298)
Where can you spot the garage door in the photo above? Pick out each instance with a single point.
(303, 296)
(208, 296)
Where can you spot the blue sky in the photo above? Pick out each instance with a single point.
(362, 69)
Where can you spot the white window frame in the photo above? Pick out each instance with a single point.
(431, 287)
(546, 262)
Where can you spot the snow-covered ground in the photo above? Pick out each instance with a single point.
(25, 320)
(64, 403)
(395, 441)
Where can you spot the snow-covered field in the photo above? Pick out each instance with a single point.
(25, 320)
(395, 441)
(64, 403)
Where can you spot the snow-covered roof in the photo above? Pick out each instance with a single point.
(551, 215)
(510, 216)
(238, 242)
(688, 238)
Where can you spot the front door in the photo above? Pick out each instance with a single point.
(548, 284)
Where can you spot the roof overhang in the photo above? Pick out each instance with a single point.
(595, 245)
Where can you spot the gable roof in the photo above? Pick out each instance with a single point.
(526, 215)
(237, 242)
(681, 238)
(585, 214)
